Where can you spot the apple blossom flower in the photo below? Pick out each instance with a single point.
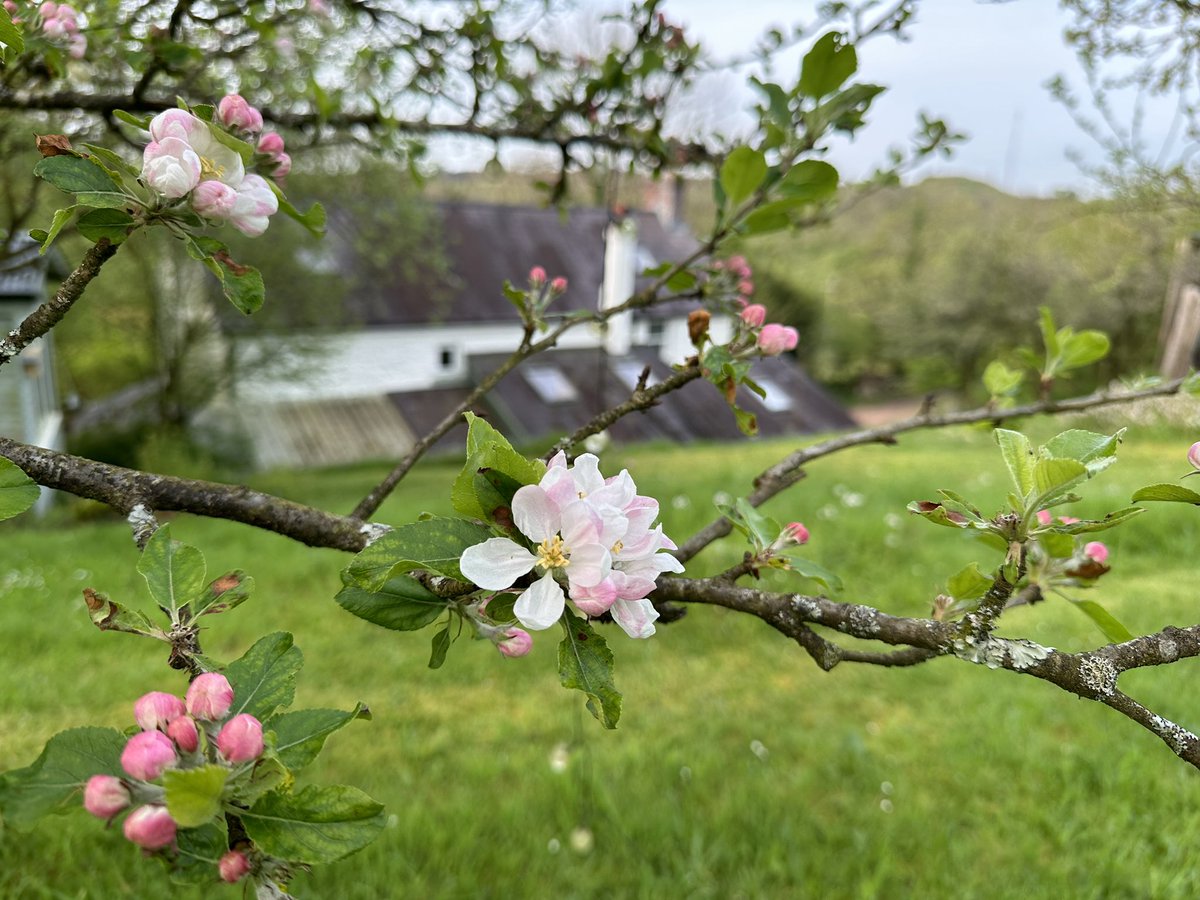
(754, 315)
(1193, 456)
(234, 111)
(214, 199)
(150, 827)
(156, 710)
(255, 204)
(241, 739)
(559, 285)
(775, 339)
(796, 532)
(270, 144)
(184, 733)
(171, 167)
(105, 795)
(77, 46)
(1096, 551)
(147, 754)
(283, 165)
(745, 287)
(216, 160)
(48, 10)
(209, 696)
(10, 7)
(537, 276)
(516, 642)
(233, 866)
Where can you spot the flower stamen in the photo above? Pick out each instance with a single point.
(552, 554)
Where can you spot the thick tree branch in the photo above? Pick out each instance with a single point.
(50, 313)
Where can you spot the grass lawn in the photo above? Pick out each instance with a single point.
(739, 769)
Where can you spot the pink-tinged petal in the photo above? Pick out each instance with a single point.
(617, 491)
(496, 563)
(176, 123)
(1096, 551)
(1193, 455)
(636, 617)
(589, 565)
(632, 587)
(541, 605)
(613, 526)
(639, 547)
(581, 523)
(558, 460)
(534, 513)
(559, 485)
(587, 474)
(594, 601)
(641, 512)
(665, 562)
(1044, 518)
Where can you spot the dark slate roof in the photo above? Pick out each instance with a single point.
(486, 244)
(22, 269)
(695, 412)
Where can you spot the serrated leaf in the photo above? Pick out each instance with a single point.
(313, 220)
(193, 796)
(586, 664)
(270, 774)
(1000, 380)
(200, 851)
(18, 492)
(1096, 451)
(140, 122)
(264, 679)
(436, 544)
(1049, 331)
(969, 583)
(112, 162)
(60, 220)
(439, 647)
(1057, 544)
(1087, 526)
(488, 449)
(316, 825)
(809, 569)
(174, 572)
(300, 735)
(10, 34)
(73, 174)
(222, 594)
(100, 224)
(1105, 621)
(1018, 456)
(1170, 493)
(827, 66)
(102, 199)
(938, 514)
(242, 285)
(107, 615)
(52, 782)
(742, 172)
(1053, 476)
(401, 604)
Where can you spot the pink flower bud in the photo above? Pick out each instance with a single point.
(559, 285)
(1096, 551)
(1193, 455)
(157, 710)
(1044, 518)
(754, 315)
(796, 532)
(233, 865)
(77, 47)
(283, 165)
(1068, 520)
(255, 204)
(745, 287)
(537, 276)
(48, 10)
(54, 28)
(147, 754)
(235, 112)
(241, 740)
(105, 795)
(209, 696)
(775, 339)
(517, 642)
(270, 144)
(184, 733)
(150, 827)
(739, 266)
(10, 6)
(214, 199)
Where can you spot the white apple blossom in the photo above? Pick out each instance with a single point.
(254, 206)
(171, 167)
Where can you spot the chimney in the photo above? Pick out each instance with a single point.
(620, 273)
(664, 197)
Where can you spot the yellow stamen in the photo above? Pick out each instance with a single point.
(618, 546)
(210, 170)
(551, 554)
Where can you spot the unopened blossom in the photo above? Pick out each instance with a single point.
(234, 111)
(796, 532)
(254, 206)
(745, 287)
(515, 642)
(1193, 456)
(156, 710)
(150, 827)
(105, 795)
(171, 167)
(559, 285)
(775, 339)
(241, 739)
(1044, 518)
(270, 144)
(233, 866)
(209, 696)
(147, 755)
(184, 733)
(77, 46)
(1067, 520)
(754, 315)
(214, 199)
(283, 165)
(537, 276)
(1096, 551)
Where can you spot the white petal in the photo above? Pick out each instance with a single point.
(581, 523)
(618, 491)
(495, 563)
(636, 617)
(667, 563)
(589, 564)
(587, 473)
(535, 514)
(541, 605)
(557, 461)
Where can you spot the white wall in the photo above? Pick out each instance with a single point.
(677, 346)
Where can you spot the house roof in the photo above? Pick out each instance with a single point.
(22, 269)
(486, 244)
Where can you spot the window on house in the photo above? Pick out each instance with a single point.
(777, 399)
(447, 357)
(550, 384)
(630, 370)
(655, 331)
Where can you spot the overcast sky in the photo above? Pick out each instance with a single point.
(980, 66)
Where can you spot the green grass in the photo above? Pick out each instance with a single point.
(739, 769)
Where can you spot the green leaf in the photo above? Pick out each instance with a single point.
(759, 528)
(436, 544)
(300, 735)
(108, 615)
(10, 34)
(243, 149)
(827, 65)
(1084, 348)
(1049, 332)
(747, 422)
(17, 490)
(489, 453)
(61, 218)
(938, 514)
(200, 851)
(401, 604)
(1018, 456)
(1053, 476)
(194, 795)
(313, 220)
(74, 174)
(1095, 451)
(222, 594)
(174, 572)
(586, 664)
(51, 783)
(439, 647)
(969, 583)
(811, 181)
(102, 199)
(113, 224)
(264, 679)
(1000, 380)
(1105, 621)
(809, 569)
(742, 172)
(112, 162)
(140, 122)
(242, 285)
(317, 825)
(1057, 545)
(1087, 526)
(270, 774)
(1171, 493)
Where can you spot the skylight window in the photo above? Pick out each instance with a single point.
(550, 384)
(777, 399)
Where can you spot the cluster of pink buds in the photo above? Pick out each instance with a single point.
(186, 159)
(1045, 518)
(739, 270)
(771, 338)
(60, 22)
(274, 160)
(176, 734)
(537, 280)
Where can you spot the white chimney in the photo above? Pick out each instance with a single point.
(620, 273)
